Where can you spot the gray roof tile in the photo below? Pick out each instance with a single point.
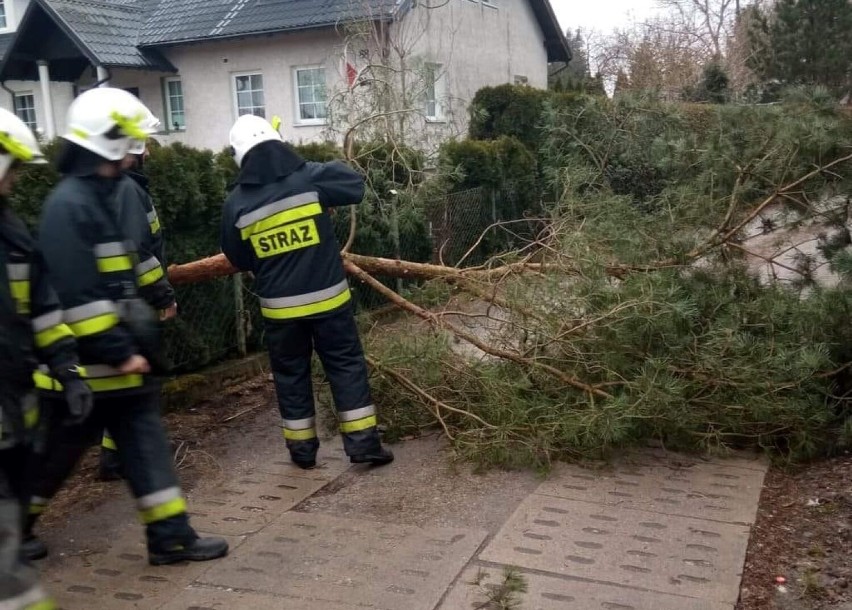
(173, 22)
(110, 30)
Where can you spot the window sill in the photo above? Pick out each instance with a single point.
(311, 124)
(489, 5)
(433, 120)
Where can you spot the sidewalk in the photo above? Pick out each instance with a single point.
(656, 532)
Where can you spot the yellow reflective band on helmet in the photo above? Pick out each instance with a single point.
(95, 325)
(151, 277)
(281, 218)
(114, 263)
(49, 336)
(80, 133)
(359, 424)
(163, 511)
(299, 435)
(108, 443)
(276, 123)
(130, 126)
(16, 148)
(311, 309)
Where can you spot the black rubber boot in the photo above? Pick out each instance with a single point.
(110, 466)
(381, 457)
(32, 548)
(200, 549)
(305, 464)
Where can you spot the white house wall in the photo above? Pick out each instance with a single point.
(207, 70)
(478, 45)
(62, 94)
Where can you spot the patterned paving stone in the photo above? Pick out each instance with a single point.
(332, 461)
(669, 554)
(717, 491)
(119, 579)
(247, 504)
(377, 565)
(551, 593)
(198, 598)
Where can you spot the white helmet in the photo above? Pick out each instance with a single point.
(248, 132)
(150, 124)
(17, 143)
(105, 121)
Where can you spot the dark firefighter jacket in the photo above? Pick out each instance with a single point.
(31, 320)
(95, 270)
(133, 196)
(276, 225)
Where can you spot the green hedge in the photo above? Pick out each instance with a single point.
(189, 187)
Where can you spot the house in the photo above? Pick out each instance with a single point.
(198, 64)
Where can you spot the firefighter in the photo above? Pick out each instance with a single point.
(276, 224)
(31, 329)
(154, 287)
(95, 270)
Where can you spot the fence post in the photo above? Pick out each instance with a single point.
(240, 312)
(397, 247)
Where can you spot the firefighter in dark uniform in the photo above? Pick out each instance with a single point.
(94, 268)
(152, 275)
(276, 224)
(31, 329)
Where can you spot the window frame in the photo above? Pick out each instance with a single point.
(167, 104)
(491, 4)
(521, 80)
(298, 121)
(8, 7)
(438, 86)
(236, 97)
(30, 94)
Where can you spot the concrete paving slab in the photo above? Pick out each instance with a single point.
(332, 461)
(669, 554)
(119, 578)
(246, 504)
(714, 490)
(551, 593)
(330, 559)
(198, 598)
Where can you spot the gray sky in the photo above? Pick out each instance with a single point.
(603, 15)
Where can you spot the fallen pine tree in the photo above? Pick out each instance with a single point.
(621, 322)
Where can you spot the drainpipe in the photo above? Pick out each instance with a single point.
(103, 77)
(47, 100)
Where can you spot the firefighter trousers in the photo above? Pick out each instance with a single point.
(133, 420)
(19, 587)
(335, 339)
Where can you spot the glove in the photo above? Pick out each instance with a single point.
(80, 402)
(78, 396)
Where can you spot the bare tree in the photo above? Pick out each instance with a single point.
(708, 23)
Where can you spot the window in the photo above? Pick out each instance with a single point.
(25, 109)
(175, 117)
(311, 96)
(521, 80)
(248, 94)
(4, 21)
(433, 84)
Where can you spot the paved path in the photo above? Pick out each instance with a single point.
(656, 532)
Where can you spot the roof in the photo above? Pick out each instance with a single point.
(109, 30)
(172, 22)
(75, 34)
(178, 21)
